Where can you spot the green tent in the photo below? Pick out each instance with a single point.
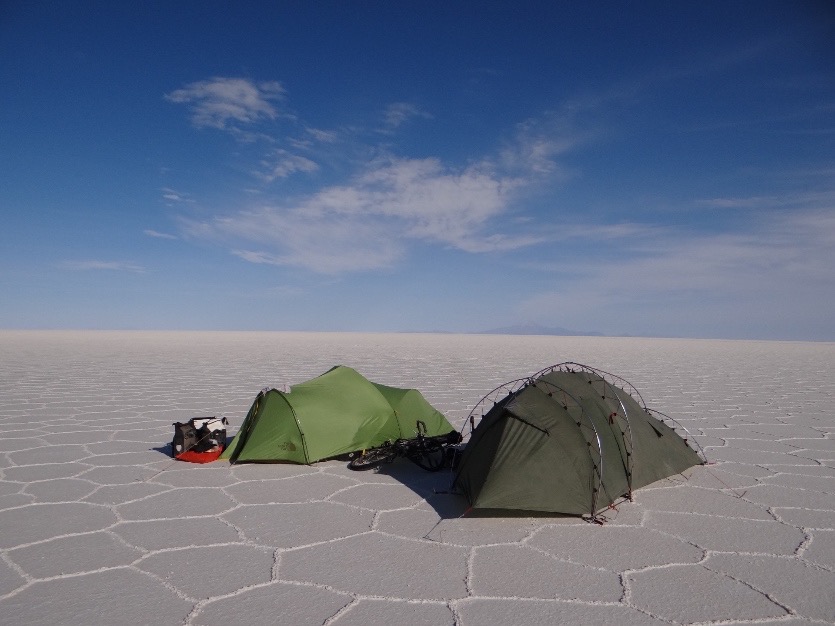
(567, 440)
(336, 413)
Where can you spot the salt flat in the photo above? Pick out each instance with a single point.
(99, 525)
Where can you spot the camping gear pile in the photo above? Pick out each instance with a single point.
(199, 440)
(569, 439)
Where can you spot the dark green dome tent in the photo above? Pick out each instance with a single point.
(338, 412)
(567, 440)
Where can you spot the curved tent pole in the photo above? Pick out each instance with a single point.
(630, 453)
(569, 366)
(250, 421)
(633, 391)
(298, 424)
(606, 378)
(596, 468)
(629, 460)
(511, 387)
(460, 467)
(700, 451)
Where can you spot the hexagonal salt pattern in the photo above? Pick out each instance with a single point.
(99, 525)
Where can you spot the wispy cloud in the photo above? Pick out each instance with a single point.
(159, 235)
(800, 200)
(113, 266)
(539, 143)
(398, 113)
(173, 196)
(737, 202)
(720, 279)
(390, 204)
(369, 222)
(282, 164)
(386, 205)
(322, 136)
(222, 102)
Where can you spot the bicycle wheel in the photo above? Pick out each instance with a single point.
(371, 459)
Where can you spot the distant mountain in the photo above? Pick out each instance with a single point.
(536, 329)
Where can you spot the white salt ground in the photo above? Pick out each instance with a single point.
(99, 526)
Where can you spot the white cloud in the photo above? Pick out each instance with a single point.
(800, 200)
(539, 142)
(736, 203)
(328, 244)
(655, 280)
(322, 136)
(284, 164)
(398, 113)
(159, 235)
(172, 196)
(117, 266)
(369, 223)
(219, 101)
(389, 204)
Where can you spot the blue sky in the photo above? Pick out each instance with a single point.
(643, 168)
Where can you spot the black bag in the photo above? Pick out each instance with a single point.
(199, 434)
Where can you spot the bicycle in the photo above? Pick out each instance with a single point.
(428, 453)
